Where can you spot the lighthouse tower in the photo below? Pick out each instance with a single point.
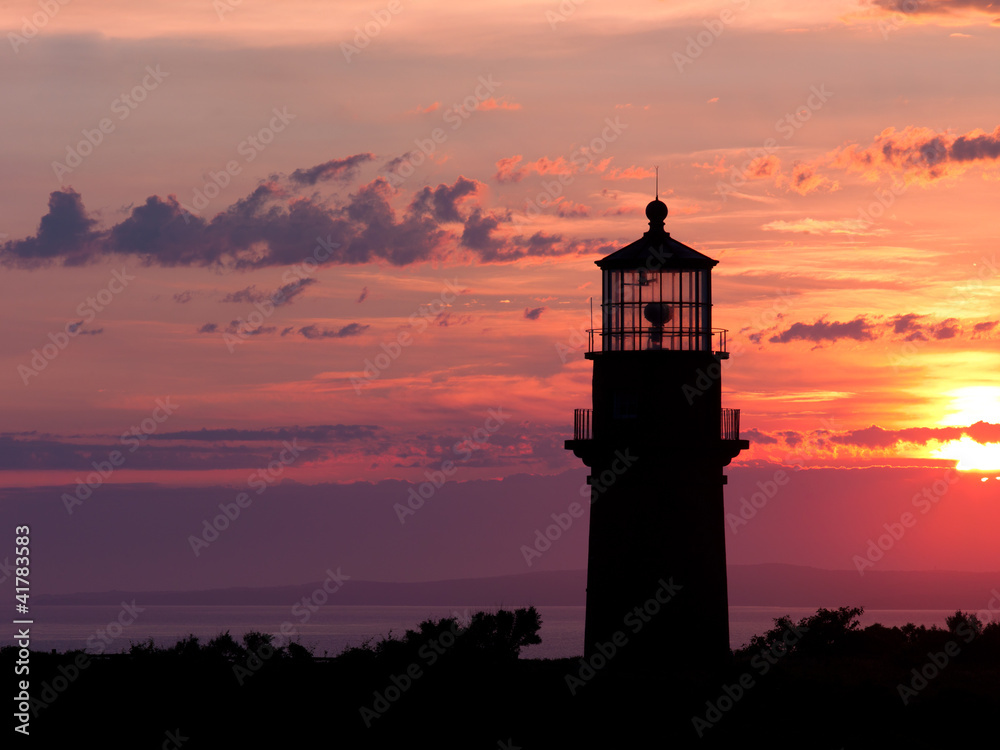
(656, 441)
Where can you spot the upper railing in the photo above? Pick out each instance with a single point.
(645, 338)
(583, 424)
(730, 424)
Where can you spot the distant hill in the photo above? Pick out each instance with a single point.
(749, 585)
(796, 586)
(553, 588)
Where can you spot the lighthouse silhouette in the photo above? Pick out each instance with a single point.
(656, 442)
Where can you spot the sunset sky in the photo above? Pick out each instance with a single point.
(362, 226)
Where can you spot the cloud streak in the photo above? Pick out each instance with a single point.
(340, 170)
(283, 295)
(823, 444)
(313, 331)
(946, 9)
(909, 327)
(858, 329)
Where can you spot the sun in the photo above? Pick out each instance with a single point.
(971, 456)
(979, 403)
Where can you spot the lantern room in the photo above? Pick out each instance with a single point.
(657, 294)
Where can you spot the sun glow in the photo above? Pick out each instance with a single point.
(976, 403)
(971, 456)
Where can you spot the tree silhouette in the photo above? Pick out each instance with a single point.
(822, 633)
(226, 646)
(962, 623)
(504, 633)
(493, 636)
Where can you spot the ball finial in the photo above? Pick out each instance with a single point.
(656, 212)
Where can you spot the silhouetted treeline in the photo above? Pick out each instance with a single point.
(458, 682)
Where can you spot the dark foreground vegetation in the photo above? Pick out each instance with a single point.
(823, 682)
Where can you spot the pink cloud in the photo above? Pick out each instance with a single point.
(424, 110)
(501, 103)
(629, 173)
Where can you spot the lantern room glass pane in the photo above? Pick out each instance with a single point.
(659, 309)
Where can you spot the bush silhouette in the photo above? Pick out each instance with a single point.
(826, 632)
(488, 636)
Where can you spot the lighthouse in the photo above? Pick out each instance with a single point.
(656, 440)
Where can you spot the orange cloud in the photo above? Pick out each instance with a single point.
(918, 154)
(717, 167)
(945, 12)
(822, 226)
(424, 110)
(568, 209)
(804, 179)
(912, 155)
(501, 103)
(629, 173)
(553, 166)
(763, 166)
(510, 169)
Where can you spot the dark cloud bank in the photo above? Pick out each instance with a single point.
(275, 225)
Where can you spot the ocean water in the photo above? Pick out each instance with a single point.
(330, 629)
